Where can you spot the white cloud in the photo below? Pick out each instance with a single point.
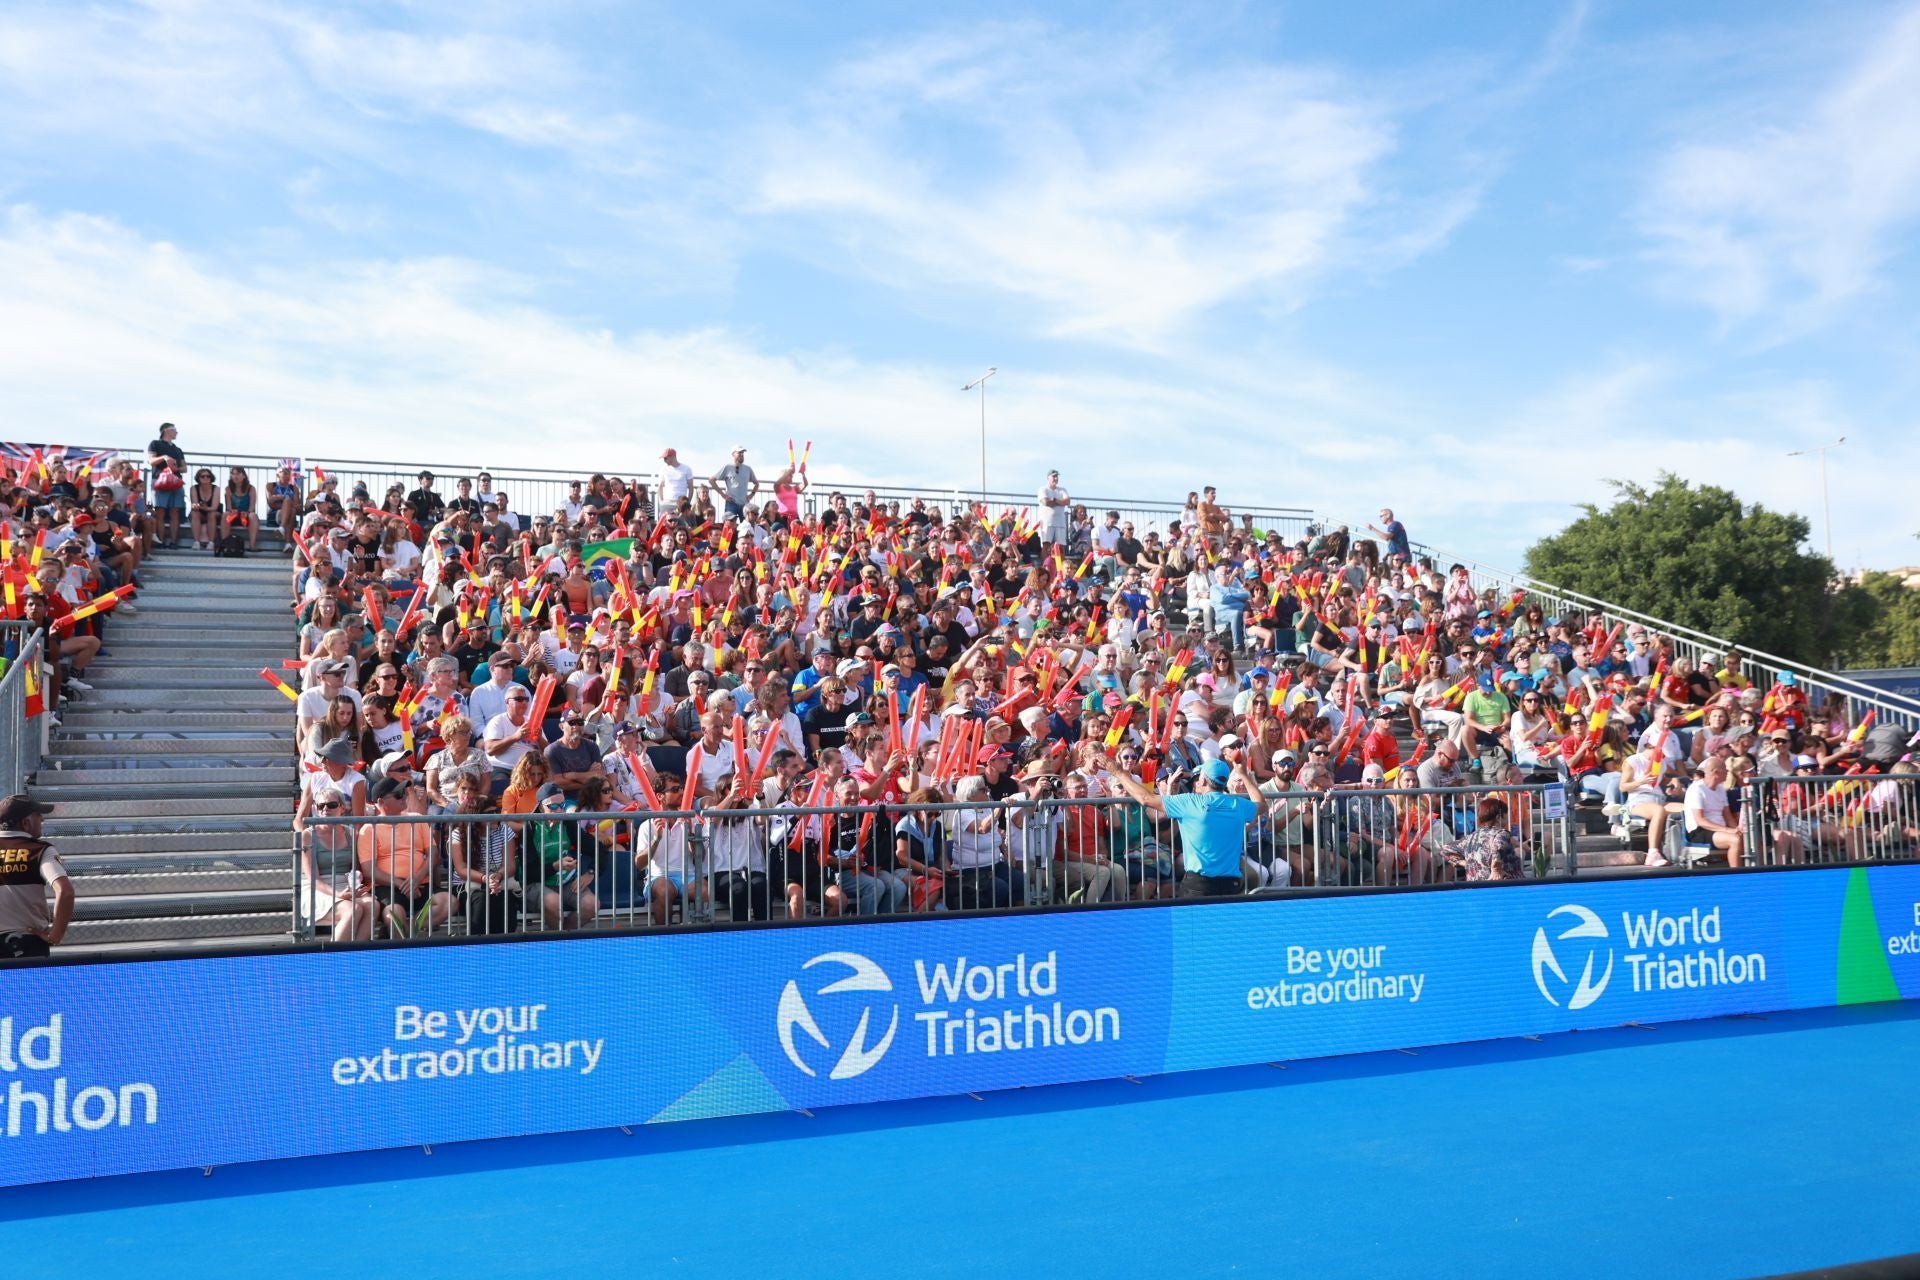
(445, 362)
(1798, 216)
(1114, 190)
(198, 74)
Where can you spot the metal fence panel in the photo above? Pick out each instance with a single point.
(433, 875)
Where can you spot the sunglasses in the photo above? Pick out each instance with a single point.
(519, 699)
(331, 804)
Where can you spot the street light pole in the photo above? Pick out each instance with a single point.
(981, 382)
(1826, 506)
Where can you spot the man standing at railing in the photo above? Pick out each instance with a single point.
(1396, 535)
(735, 483)
(426, 505)
(676, 480)
(1213, 823)
(1055, 509)
(28, 868)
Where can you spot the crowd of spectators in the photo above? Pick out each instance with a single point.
(1107, 711)
(73, 534)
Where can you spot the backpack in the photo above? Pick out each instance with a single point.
(232, 545)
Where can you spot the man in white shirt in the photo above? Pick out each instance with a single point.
(313, 706)
(1708, 821)
(506, 738)
(490, 699)
(1054, 510)
(1106, 541)
(676, 479)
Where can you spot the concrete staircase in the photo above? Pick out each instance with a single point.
(175, 777)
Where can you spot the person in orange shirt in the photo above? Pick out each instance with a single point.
(396, 858)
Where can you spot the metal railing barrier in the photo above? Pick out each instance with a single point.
(430, 875)
(23, 737)
(1849, 818)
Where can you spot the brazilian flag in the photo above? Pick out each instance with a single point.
(594, 552)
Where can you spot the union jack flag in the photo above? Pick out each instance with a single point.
(20, 458)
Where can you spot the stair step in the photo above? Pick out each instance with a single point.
(226, 902)
(72, 813)
(276, 881)
(187, 786)
(280, 860)
(175, 841)
(259, 697)
(168, 640)
(181, 928)
(54, 768)
(230, 622)
(130, 676)
(212, 638)
(88, 719)
(142, 657)
(171, 948)
(161, 744)
(265, 776)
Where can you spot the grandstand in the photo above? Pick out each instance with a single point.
(179, 768)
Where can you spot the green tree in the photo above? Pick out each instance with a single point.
(1699, 558)
(1878, 623)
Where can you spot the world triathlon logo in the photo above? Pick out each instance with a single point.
(1577, 943)
(795, 1013)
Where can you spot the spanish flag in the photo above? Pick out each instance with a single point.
(594, 552)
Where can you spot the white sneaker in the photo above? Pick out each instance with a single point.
(1612, 810)
(75, 682)
(1657, 859)
(127, 607)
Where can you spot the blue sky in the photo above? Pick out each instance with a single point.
(1468, 261)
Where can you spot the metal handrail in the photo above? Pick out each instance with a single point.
(22, 737)
(1884, 701)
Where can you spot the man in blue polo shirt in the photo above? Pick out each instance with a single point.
(1213, 823)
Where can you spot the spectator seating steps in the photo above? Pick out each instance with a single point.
(176, 776)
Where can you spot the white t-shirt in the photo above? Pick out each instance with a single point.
(502, 727)
(676, 482)
(1671, 751)
(716, 764)
(314, 703)
(315, 781)
(1706, 802)
(1053, 519)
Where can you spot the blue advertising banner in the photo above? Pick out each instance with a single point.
(118, 1068)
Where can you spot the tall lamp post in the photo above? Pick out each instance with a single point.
(1826, 507)
(981, 382)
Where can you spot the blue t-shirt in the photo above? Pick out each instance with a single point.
(1213, 829)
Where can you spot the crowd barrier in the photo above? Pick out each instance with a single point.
(112, 1068)
(23, 730)
(535, 491)
(1843, 818)
(736, 865)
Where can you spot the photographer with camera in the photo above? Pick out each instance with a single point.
(1213, 823)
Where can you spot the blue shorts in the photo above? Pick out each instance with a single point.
(678, 882)
(169, 499)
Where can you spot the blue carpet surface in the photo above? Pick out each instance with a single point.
(1728, 1148)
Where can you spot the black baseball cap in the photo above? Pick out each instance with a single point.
(18, 806)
